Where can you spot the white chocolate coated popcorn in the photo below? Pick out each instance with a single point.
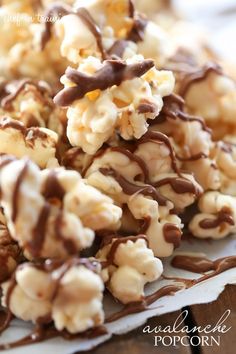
(93, 119)
(39, 144)
(70, 296)
(133, 266)
(217, 216)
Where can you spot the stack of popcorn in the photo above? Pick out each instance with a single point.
(112, 128)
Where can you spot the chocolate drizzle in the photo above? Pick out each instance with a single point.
(179, 184)
(158, 137)
(131, 188)
(116, 244)
(138, 30)
(125, 152)
(53, 188)
(58, 10)
(63, 10)
(202, 265)
(39, 232)
(174, 109)
(118, 48)
(35, 132)
(15, 194)
(45, 332)
(9, 97)
(87, 19)
(143, 304)
(195, 157)
(198, 75)
(224, 216)
(113, 72)
(172, 234)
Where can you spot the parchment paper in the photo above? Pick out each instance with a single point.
(204, 292)
(222, 29)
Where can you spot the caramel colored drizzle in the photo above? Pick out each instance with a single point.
(198, 75)
(224, 216)
(113, 72)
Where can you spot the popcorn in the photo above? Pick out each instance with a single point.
(47, 225)
(122, 175)
(128, 265)
(114, 95)
(120, 148)
(210, 94)
(68, 294)
(39, 144)
(216, 218)
(28, 101)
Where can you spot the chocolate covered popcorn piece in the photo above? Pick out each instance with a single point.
(28, 101)
(109, 96)
(39, 144)
(69, 294)
(128, 264)
(216, 218)
(152, 206)
(54, 226)
(210, 93)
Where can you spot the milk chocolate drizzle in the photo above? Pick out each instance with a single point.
(113, 72)
(172, 234)
(138, 30)
(6, 102)
(143, 304)
(35, 132)
(158, 137)
(15, 195)
(85, 17)
(125, 152)
(116, 244)
(224, 216)
(131, 188)
(198, 75)
(179, 185)
(202, 265)
(53, 188)
(174, 108)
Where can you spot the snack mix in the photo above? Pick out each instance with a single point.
(117, 136)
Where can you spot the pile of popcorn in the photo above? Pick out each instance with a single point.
(113, 126)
